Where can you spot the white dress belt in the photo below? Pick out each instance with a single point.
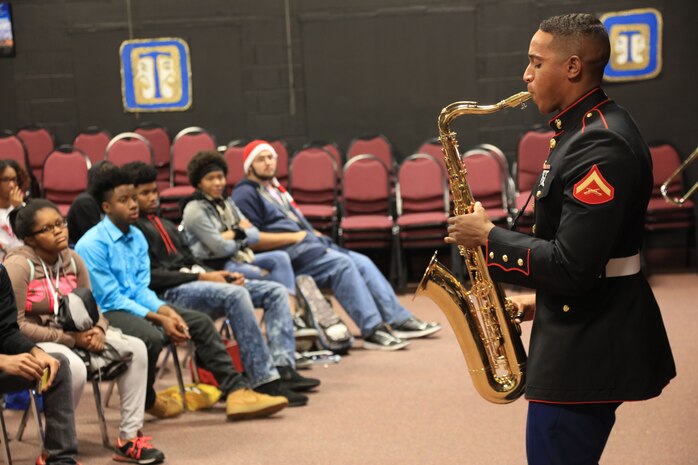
(624, 266)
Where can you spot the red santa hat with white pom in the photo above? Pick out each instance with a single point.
(253, 149)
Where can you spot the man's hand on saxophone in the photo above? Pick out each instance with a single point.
(525, 305)
(469, 230)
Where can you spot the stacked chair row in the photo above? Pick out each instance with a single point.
(364, 199)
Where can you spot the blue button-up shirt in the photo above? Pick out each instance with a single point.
(119, 268)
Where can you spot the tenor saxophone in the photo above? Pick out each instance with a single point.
(482, 318)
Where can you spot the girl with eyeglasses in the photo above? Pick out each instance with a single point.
(45, 270)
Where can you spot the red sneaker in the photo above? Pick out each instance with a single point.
(138, 450)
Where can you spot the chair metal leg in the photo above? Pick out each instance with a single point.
(110, 391)
(178, 371)
(23, 423)
(5, 440)
(100, 413)
(161, 371)
(34, 400)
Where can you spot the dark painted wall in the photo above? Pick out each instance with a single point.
(362, 66)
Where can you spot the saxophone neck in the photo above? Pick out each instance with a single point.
(456, 109)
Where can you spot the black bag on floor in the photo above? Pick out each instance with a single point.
(333, 333)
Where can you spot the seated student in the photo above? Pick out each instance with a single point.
(45, 270)
(356, 282)
(116, 255)
(14, 181)
(84, 212)
(219, 234)
(183, 280)
(22, 365)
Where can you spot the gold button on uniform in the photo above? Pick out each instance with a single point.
(533, 229)
(505, 258)
(565, 308)
(588, 115)
(552, 143)
(558, 123)
(491, 255)
(538, 194)
(520, 261)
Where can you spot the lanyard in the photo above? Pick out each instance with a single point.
(53, 290)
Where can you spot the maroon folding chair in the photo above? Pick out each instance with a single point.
(433, 147)
(93, 142)
(281, 149)
(12, 147)
(39, 143)
(533, 150)
(367, 213)
(422, 208)
(664, 218)
(187, 143)
(64, 176)
(490, 182)
(234, 158)
(373, 144)
(333, 149)
(159, 140)
(128, 147)
(313, 184)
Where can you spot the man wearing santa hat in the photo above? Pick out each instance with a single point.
(355, 280)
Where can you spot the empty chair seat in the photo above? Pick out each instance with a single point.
(93, 142)
(129, 147)
(65, 176)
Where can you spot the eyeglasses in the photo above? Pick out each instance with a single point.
(49, 228)
(7, 179)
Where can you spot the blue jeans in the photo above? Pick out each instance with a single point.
(237, 303)
(276, 262)
(360, 288)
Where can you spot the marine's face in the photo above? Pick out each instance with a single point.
(546, 73)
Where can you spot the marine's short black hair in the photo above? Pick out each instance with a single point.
(203, 163)
(104, 183)
(578, 26)
(23, 219)
(140, 173)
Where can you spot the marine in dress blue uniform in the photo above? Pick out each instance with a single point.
(597, 338)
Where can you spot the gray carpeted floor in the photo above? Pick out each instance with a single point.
(414, 407)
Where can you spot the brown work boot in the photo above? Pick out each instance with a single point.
(246, 403)
(166, 406)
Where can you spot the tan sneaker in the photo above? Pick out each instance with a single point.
(166, 406)
(246, 403)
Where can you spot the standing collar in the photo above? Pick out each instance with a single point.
(573, 114)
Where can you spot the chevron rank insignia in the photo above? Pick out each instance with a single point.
(593, 189)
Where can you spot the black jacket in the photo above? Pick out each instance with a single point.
(12, 341)
(594, 338)
(84, 213)
(167, 256)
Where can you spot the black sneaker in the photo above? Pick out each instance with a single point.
(277, 388)
(383, 339)
(137, 451)
(413, 328)
(296, 382)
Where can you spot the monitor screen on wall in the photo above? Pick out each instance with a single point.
(7, 37)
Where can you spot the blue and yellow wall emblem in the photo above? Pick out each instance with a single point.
(636, 44)
(155, 75)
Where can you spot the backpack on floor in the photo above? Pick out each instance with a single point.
(333, 335)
